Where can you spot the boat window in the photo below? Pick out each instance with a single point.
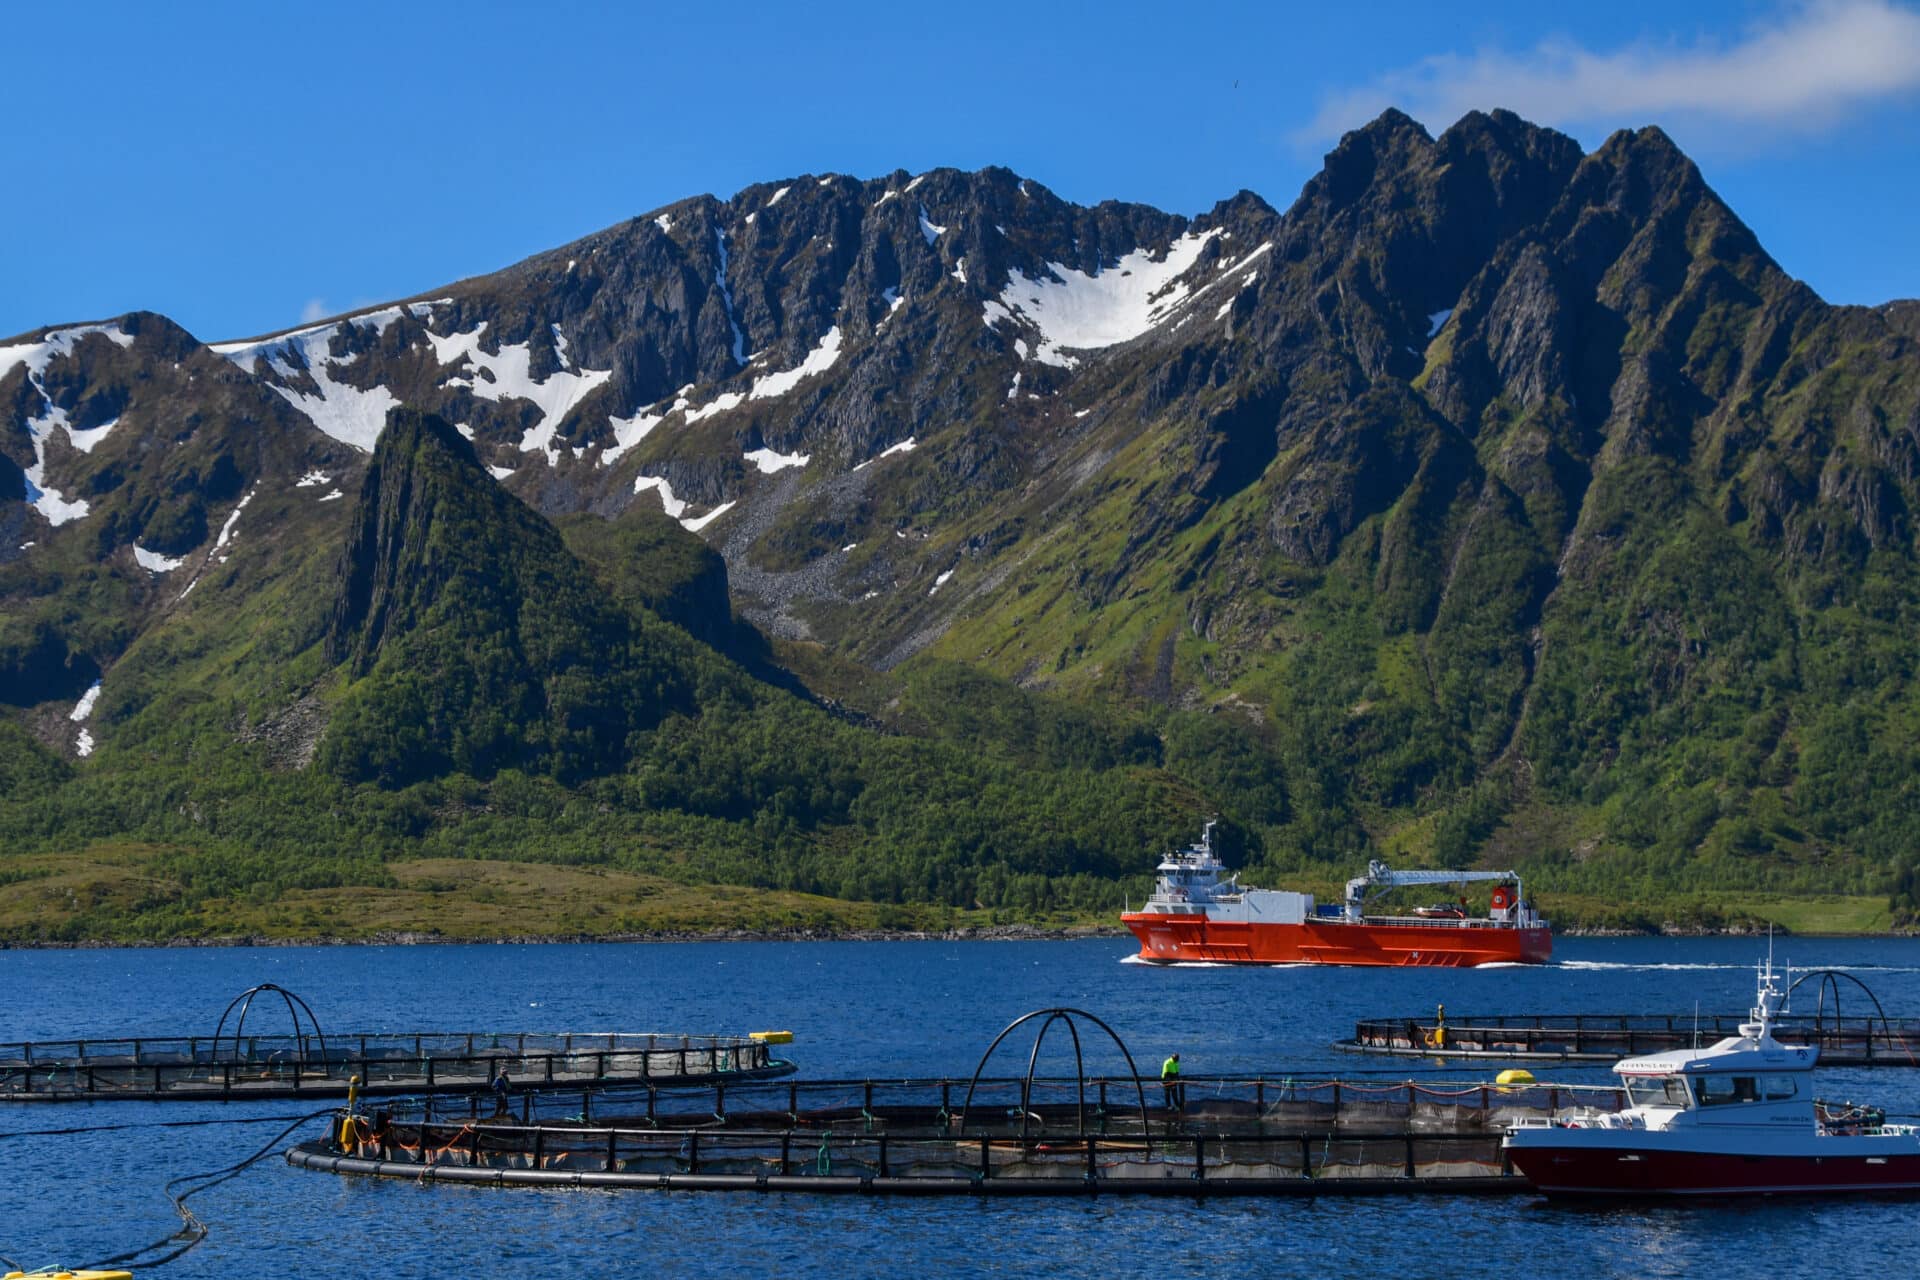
(1774, 1088)
(1717, 1091)
(1661, 1091)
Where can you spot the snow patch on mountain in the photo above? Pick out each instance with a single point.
(511, 379)
(85, 440)
(153, 561)
(37, 356)
(774, 199)
(226, 530)
(720, 404)
(83, 742)
(822, 358)
(905, 446)
(61, 342)
(768, 461)
(927, 226)
(352, 415)
(674, 507)
(668, 503)
(1073, 310)
(628, 432)
(697, 523)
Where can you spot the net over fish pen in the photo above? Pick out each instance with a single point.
(1030, 1135)
(1862, 1040)
(307, 1063)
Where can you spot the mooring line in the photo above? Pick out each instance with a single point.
(192, 1231)
(148, 1124)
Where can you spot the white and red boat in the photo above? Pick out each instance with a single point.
(1738, 1118)
(1200, 912)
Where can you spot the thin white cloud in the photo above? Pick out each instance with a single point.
(314, 311)
(1801, 71)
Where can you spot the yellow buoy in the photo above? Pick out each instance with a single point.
(1514, 1075)
(771, 1037)
(68, 1275)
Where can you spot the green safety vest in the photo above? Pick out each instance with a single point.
(1170, 1069)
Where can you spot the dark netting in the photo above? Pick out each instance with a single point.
(907, 1135)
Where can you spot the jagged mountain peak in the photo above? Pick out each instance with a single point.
(1489, 465)
(764, 367)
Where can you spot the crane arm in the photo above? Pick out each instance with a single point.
(1380, 876)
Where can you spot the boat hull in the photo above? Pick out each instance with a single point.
(1167, 938)
(1575, 1171)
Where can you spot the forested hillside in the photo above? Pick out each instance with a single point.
(933, 543)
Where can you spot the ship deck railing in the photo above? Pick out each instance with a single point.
(1437, 922)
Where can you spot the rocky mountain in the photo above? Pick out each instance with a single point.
(1494, 500)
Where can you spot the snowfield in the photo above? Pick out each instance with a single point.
(1072, 310)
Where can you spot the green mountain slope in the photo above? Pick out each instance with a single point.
(933, 541)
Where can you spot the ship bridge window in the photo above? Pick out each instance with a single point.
(1658, 1091)
(1715, 1091)
(1777, 1088)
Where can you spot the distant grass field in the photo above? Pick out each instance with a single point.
(115, 893)
(121, 892)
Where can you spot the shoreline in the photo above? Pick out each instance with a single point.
(971, 933)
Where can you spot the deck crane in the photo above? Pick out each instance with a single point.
(1380, 878)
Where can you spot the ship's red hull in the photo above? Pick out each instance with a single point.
(1171, 939)
(1563, 1171)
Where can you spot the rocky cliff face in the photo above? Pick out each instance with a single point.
(1480, 425)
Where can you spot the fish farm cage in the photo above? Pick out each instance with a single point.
(1867, 1040)
(1027, 1135)
(308, 1063)
(1049, 1135)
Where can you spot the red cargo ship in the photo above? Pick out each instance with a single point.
(1200, 912)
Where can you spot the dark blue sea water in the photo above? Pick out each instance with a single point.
(881, 1009)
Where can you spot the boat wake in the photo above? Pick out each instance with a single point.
(1611, 966)
(1625, 966)
(1210, 964)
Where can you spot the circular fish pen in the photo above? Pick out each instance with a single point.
(1025, 1135)
(1862, 1040)
(307, 1063)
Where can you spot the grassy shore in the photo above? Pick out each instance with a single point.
(122, 893)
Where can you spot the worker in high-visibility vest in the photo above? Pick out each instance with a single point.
(1170, 1081)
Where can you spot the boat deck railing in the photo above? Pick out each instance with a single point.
(1439, 922)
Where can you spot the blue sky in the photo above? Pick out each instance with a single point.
(239, 167)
